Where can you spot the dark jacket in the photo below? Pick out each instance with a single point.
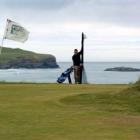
(76, 58)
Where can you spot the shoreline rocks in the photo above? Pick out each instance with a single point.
(123, 69)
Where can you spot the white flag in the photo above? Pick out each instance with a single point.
(16, 32)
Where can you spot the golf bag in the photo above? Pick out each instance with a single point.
(65, 75)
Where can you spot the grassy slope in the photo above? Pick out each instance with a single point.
(69, 112)
(9, 54)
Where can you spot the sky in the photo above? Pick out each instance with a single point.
(112, 27)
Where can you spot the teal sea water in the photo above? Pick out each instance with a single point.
(95, 73)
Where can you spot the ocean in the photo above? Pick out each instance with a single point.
(94, 70)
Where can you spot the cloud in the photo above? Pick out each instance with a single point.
(56, 25)
(120, 12)
(37, 4)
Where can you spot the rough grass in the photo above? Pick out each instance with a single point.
(69, 112)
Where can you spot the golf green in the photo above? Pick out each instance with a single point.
(69, 112)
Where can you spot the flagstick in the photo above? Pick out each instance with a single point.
(1, 45)
(82, 59)
(2, 41)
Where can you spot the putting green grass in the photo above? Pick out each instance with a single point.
(69, 112)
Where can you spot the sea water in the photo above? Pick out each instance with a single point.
(94, 70)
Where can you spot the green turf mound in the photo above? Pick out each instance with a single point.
(127, 100)
(81, 99)
(136, 86)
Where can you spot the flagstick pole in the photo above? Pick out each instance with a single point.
(2, 41)
(1, 45)
(82, 59)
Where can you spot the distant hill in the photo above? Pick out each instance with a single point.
(18, 58)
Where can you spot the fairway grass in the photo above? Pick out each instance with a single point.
(69, 112)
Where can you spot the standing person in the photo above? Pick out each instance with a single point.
(77, 65)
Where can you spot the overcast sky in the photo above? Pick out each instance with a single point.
(112, 27)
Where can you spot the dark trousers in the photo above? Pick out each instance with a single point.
(77, 74)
